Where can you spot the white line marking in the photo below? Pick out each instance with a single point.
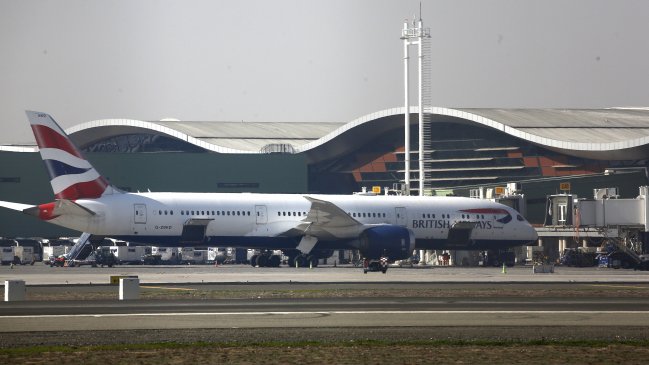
(109, 315)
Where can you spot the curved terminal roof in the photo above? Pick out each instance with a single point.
(223, 137)
(605, 134)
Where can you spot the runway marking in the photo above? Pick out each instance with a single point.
(185, 314)
(621, 286)
(165, 288)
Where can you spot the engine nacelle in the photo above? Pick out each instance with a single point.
(394, 242)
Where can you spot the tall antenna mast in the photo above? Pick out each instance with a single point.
(414, 35)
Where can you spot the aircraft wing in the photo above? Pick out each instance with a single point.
(326, 221)
(15, 206)
(327, 214)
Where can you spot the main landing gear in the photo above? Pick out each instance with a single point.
(303, 260)
(266, 259)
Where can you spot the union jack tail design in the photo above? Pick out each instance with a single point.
(71, 175)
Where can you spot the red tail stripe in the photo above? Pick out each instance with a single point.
(46, 211)
(46, 137)
(90, 189)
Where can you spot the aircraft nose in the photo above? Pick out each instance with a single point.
(531, 233)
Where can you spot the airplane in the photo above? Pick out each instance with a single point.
(304, 226)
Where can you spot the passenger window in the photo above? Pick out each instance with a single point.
(213, 213)
(228, 212)
(182, 212)
(160, 212)
(171, 212)
(279, 214)
(192, 212)
(238, 212)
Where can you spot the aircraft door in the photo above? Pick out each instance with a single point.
(401, 215)
(139, 213)
(260, 212)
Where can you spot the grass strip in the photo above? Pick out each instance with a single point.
(36, 350)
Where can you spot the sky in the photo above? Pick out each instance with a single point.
(309, 60)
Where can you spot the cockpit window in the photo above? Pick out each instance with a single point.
(520, 218)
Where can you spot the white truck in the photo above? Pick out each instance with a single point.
(7, 251)
(216, 255)
(55, 251)
(7, 255)
(192, 256)
(168, 255)
(24, 255)
(128, 254)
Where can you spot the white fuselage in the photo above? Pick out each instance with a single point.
(246, 220)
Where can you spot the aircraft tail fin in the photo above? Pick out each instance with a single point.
(71, 175)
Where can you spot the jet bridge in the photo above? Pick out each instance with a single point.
(572, 221)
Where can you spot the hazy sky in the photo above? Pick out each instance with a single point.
(315, 61)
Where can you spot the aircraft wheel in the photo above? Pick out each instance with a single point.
(253, 260)
(262, 261)
(301, 261)
(312, 261)
(274, 261)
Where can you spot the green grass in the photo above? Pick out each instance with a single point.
(350, 343)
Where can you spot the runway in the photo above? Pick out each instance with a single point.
(45, 275)
(419, 307)
(328, 312)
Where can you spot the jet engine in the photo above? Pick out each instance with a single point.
(394, 242)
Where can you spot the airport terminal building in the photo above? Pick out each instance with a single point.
(464, 148)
